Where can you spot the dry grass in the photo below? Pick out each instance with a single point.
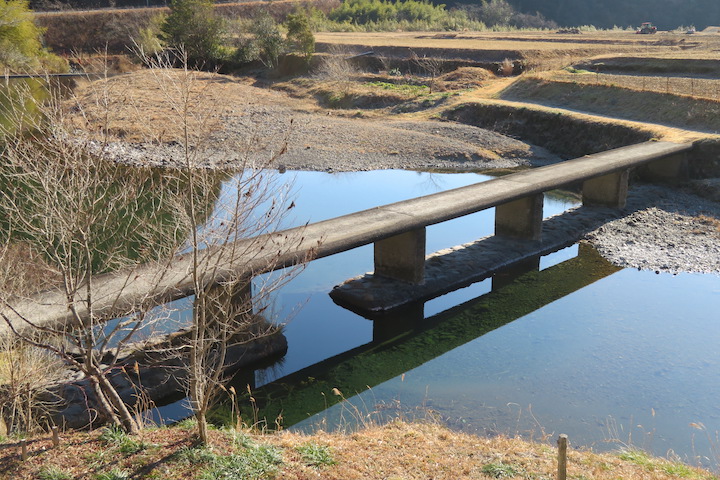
(539, 51)
(690, 86)
(24, 271)
(652, 107)
(113, 106)
(399, 451)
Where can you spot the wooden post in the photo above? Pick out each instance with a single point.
(55, 436)
(562, 457)
(23, 450)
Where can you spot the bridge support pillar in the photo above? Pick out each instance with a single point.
(229, 301)
(520, 218)
(609, 190)
(402, 257)
(673, 167)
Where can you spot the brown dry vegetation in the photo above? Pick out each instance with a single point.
(113, 106)
(682, 111)
(708, 88)
(540, 50)
(398, 451)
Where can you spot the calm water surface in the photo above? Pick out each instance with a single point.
(630, 358)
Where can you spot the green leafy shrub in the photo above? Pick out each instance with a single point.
(193, 26)
(300, 37)
(21, 40)
(269, 39)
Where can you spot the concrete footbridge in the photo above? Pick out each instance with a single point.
(401, 269)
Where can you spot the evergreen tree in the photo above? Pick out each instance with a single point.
(193, 26)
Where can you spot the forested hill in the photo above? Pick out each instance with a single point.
(666, 14)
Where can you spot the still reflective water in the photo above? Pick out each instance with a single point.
(631, 357)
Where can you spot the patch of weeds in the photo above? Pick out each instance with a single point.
(681, 470)
(577, 70)
(98, 458)
(254, 463)
(315, 455)
(637, 457)
(114, 474)
(339, 100)
(501, 470)
(199, 455)
(187, 424)
(53, 473)
(404, 88)
(675, 469)
(115, 436)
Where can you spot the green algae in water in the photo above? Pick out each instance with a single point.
(312, 390)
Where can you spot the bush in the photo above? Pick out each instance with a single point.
(300, 37)
(192, 26)
(269, 40)
(406, 15)
(20, 39)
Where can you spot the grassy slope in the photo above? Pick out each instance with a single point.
(644, 106)
(399, 451)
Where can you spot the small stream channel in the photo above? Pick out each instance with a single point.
(611, 357)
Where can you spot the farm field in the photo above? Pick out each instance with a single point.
(533, 46)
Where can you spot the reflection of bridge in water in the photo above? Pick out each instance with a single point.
(405, 339)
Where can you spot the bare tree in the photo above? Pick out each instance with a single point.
(107, 228)
(229, 313)
(430, 65)
(84, 216)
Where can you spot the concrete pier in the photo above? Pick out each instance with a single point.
(520, 218)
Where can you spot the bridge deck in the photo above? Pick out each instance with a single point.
(118, 293)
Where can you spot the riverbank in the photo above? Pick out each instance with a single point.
(397, 451)
(663, 229)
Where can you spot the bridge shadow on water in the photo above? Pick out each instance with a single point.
(403, 340)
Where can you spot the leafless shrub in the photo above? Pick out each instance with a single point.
(336, 65)
(506, 68)
(124, 239)
(25, 375)
(431, 66)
